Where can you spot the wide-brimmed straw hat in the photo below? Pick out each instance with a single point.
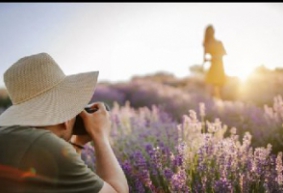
(42, 94)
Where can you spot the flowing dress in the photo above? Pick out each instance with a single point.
(216, 74)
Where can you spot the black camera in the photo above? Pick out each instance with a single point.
(79, 127)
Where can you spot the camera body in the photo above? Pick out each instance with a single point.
(79, 127)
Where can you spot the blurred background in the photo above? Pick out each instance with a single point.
(161, 42)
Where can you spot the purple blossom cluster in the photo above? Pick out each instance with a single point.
(176, 102)
(108, 95)
(161, 155)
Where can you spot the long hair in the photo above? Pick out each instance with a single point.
(208, 35)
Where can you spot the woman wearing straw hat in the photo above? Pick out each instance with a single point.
(35, 132)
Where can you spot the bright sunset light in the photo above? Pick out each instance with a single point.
(241, 71)
(122, 40)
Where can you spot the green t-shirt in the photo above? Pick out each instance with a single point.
(37, 161)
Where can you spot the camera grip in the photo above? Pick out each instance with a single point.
(79, 127)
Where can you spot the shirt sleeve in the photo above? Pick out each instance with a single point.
(54, 166)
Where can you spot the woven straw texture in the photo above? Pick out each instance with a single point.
(42, 94)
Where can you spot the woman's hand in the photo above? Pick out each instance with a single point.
(97, 124)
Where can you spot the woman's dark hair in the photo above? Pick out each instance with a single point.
(209, 34)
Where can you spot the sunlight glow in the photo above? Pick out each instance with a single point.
(122, 40)
(241, 72)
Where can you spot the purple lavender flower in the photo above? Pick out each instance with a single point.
(279, 169)
(223, 185)
(158, 154)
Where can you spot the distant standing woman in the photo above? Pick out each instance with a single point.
(214, 48)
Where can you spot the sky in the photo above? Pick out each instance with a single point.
(122, 40)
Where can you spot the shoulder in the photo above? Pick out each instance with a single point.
(55, 158)
(21, 137)
(46, 150)
(49, 145)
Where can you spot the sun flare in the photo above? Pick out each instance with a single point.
(240, 72)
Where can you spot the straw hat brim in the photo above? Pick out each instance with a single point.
(57, 105)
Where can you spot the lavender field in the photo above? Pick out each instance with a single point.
(171, 136)
(151, 63)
